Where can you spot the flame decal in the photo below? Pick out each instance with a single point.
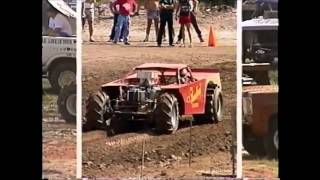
(194, 95)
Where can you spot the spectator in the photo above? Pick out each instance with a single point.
(152, 8)
(166, 17)
(89, 16)
(183, 12)
(125, 8)
(58, 24)
(115, 20)
(193, 21)
(83, 16)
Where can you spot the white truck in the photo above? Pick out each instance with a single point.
(59, 60)
(72, 4)
(58, 53)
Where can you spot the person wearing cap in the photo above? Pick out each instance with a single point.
(58, 24)
(185, 76)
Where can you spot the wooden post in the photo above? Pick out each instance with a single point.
(190, 144)
(142, 159)
(234, 141)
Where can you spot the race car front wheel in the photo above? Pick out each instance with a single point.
(167, 114)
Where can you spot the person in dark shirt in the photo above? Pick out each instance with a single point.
(193, 22)
(166, 17)
(183, 12)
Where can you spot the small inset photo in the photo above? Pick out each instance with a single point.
(59, 89)
(260, 88)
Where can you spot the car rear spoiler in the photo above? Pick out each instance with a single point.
(63, 8)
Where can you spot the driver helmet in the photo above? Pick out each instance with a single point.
(184, 72)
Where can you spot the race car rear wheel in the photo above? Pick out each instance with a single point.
(213, 108)
(167, 114)
(217, 106)
(271, 141)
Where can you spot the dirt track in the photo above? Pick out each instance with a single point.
(165, 155)
(257, 167)
(59, 140)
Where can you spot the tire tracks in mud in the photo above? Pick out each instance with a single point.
(118, 140)
(126, 139)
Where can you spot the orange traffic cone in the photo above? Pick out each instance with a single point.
(212, 38)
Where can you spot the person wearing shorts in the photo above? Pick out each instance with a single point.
(89, 16)
(152, 8)
(184, 9)
(193, 22)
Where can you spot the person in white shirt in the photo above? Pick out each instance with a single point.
(88, 9)
(58, 24)
(51, 23)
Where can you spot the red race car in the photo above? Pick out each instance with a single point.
(158, 94)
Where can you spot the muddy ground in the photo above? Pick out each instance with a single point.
(59, 140)
(165, 155)
(258, 167)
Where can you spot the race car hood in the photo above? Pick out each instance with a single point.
(63, 8)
